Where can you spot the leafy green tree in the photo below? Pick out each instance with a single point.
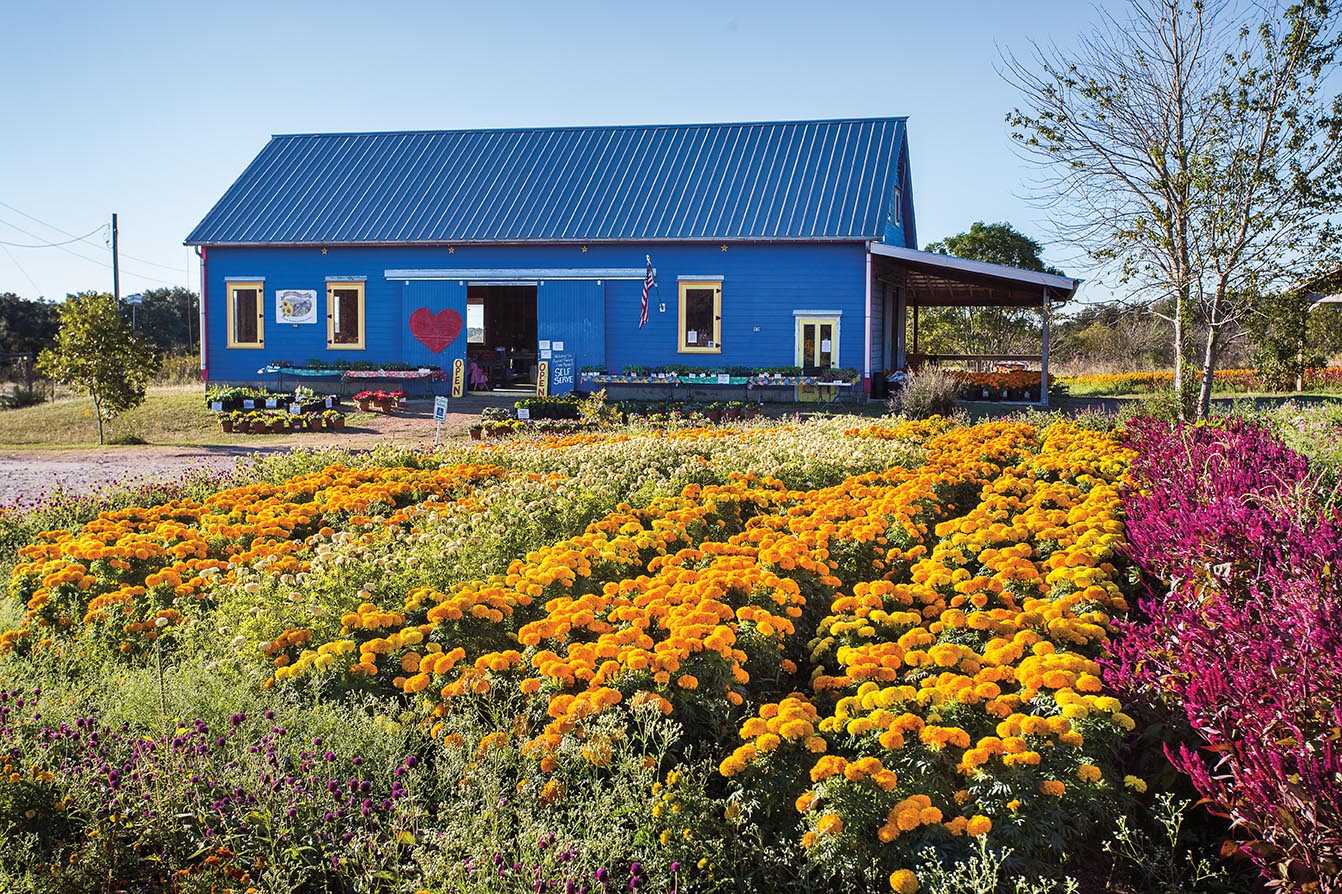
(97, 354)
(998, 243)
(170, 318)
(985, 330)
(1195, 149)
(26, 327)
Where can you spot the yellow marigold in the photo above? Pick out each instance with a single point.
(830, 824)
(979, 825)
(1089, 773)
(1053, 787)
(1135, 783)
(904, 881)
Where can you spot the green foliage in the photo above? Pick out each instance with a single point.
(26, 327)
(984, 330)
(1163, 404)
(179, 369)
(1279, 330)
(998, 243)
(170, 319)
(97, 354)
(1162, 862)
(986, 872)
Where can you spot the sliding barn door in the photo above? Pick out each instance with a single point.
(571, 329)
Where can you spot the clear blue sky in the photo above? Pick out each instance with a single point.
(151, 109)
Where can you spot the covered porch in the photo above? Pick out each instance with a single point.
(908, 280)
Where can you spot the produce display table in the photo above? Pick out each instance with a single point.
(424, 374)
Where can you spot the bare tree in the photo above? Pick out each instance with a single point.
(1191, 147)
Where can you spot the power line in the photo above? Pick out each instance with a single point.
(42, 222)
(15, 260)
(83, 257)
(80, 238)
(52, 244)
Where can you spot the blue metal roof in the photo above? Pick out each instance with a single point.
(786, 180)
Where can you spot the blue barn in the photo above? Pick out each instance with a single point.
(771, 244)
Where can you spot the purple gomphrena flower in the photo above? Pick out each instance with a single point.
(635, 868)
(601, 875)
(675, 866)
(411, 760)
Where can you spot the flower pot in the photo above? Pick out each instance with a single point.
(313, 423)
(363, 405)
(259, 428)
(226, 424)
(279, 427)
(477, 434)
(731, 415)
(384, 406)
(714, 415)
(338, 423)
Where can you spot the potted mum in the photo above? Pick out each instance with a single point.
(333, 419)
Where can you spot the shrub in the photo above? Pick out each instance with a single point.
(1241, 635)
(929, 392)
(179, 369)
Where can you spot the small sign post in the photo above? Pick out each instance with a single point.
(439, 415)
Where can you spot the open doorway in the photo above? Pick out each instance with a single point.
(501, 335)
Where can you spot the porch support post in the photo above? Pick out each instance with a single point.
(1043, 352)
(866, 330)
(901, 328)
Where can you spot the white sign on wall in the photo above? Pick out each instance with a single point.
(296, 306)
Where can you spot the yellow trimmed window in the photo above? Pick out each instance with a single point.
(344, 315)
(700, 318)
(246, 314)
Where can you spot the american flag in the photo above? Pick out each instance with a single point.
(649, 281)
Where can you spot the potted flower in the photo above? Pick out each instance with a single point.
(363, 399)
(278, 425)
(477, 431)
(333, 419)
(256, 423)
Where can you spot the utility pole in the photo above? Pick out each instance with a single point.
(116, 265)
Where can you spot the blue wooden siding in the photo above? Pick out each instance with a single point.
(574, 312)
(435, 299)
(762, 284)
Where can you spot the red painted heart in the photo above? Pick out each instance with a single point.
(435, 331)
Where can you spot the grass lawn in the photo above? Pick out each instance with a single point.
(171, 416)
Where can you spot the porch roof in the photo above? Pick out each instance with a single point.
(936, 280)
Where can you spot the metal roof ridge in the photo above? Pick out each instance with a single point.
(589, 127)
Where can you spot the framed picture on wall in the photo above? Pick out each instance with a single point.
(296, 306)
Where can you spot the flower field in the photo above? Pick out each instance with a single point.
(832, 655)
(1327, 378)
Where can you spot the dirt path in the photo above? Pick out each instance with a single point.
(27, 476)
